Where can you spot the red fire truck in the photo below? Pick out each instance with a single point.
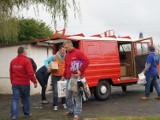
(115, 61)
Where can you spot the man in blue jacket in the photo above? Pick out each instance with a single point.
(151, 73)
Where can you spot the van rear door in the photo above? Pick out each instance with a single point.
(140, 53)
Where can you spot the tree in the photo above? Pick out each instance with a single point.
(8, 30)
(30, 29)
(9, 8)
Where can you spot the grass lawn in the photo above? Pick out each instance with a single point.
(131, 118)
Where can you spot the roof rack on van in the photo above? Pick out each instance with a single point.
(96, 35)
(59, 33)
(80, 34)
(62, 34)
(110, 33)
(125, 37)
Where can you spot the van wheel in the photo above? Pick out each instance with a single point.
(124, 88)
(102, 90)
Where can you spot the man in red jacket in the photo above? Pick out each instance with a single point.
(21, 72)
(75, 64)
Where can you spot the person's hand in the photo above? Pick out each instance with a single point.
(142, 72)
(78, 72)
(62, 78)
(35, 85)
(75, 76)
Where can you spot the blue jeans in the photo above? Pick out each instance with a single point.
(74, 101)
(55, 91)
(22, 91)
(150, 79)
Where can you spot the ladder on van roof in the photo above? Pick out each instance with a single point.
(108, 33)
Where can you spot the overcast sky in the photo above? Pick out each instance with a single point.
(126, 17)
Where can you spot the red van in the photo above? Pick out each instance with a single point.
(113, 61)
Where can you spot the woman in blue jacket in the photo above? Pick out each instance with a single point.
(42, 76)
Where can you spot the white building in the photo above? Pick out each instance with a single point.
(39, 52)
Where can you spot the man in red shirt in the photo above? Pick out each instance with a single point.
(21, 72)
(75, 64)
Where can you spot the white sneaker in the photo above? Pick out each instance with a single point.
(14, 118)
(64, 106)
(55, 108)
(45, 102)
(22, 105)
(76, 117)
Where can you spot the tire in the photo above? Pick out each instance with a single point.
(102, 90)
(124, 88)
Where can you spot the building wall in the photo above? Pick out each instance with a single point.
(38, 53)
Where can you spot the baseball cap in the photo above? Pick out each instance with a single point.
(151, 48)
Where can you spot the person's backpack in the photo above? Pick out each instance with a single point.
(34, 65)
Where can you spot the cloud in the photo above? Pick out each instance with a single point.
(126, 17)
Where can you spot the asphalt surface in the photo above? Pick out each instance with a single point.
(118, 104)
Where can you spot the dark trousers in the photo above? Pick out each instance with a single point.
(43, 82)
(55, 91)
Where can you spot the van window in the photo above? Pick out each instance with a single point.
(142, 48)
(125, 47)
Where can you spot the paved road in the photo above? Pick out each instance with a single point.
(119, 104)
